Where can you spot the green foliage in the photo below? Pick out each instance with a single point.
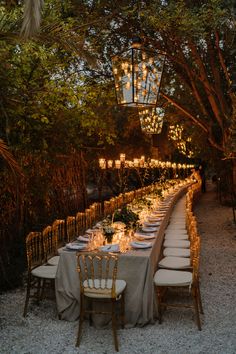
(127, 216)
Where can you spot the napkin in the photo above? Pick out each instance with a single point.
(75, 246)
(110, 248)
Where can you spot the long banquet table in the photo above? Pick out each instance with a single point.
(136, 267)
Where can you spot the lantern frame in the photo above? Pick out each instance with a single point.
(138, 75)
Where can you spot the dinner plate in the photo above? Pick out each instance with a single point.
(151, 223)
(154, 219)
(144, 235)
(75, 246)
(83, 239)
(90, 231)
(140, 244)
(110, 248)
(149, 229)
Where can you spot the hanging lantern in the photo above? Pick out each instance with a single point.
(151, 120)
(138, 73)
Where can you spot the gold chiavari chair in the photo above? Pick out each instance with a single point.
(49, 244)
(80, 220)
(58, 228)
(88, 218)
(70, 228)
(179, 280)
(40, 275)
(107, 207)
(98, 282)
(58, 240)
(97, 211)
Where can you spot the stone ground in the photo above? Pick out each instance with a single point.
(41, 332)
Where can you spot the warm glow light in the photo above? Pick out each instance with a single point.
(117, 164)
(109, 163)
(122, 157)
(102, 163)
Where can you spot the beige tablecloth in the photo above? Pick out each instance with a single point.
(136, 267)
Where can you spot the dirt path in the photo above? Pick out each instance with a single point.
(218, 267)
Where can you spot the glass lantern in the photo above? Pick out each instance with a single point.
(138, 73)
(151, 120)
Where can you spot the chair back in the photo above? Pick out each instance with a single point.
(34, 250)
(58, 232)
(80, 219)
(70, 228)
(97, 273)
(49, 243)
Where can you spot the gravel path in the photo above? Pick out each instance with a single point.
(41, 332)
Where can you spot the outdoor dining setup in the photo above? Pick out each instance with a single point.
(127, 251)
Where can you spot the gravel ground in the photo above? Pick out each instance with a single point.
(41, 331)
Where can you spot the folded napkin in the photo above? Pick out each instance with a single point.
(110, 248)
(75, 246)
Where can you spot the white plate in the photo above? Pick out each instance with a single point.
(89, 231)
(75, 246)
(149, 229)
(144, 235)
(110, 248)
(154, 219)
(151, 223)
(83, 239)
(140, 244)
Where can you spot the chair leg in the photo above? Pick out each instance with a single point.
(159, 306)
(42, 289)
(122, 317)
(199, 299)
(39, 289)
(81, 319)
(195, 301)
(91, 309)
(114, 325)
(27, 297)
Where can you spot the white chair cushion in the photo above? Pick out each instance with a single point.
(176, 252)
(177, 243)
(175, 232)
(53, 261)
(166, 277)
(45, 271)
(100, 291)
(174, 262)
(176, 227)
(175, 236)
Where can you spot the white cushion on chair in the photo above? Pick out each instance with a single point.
(176, 252)
(53, 261)
(175, 236)
(102, 289)
(176, 228)
(177, 243)
(175, 262)
(45, 271)
(176, 232)
(166, 277)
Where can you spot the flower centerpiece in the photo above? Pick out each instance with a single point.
(127, 216)
(108, 230)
